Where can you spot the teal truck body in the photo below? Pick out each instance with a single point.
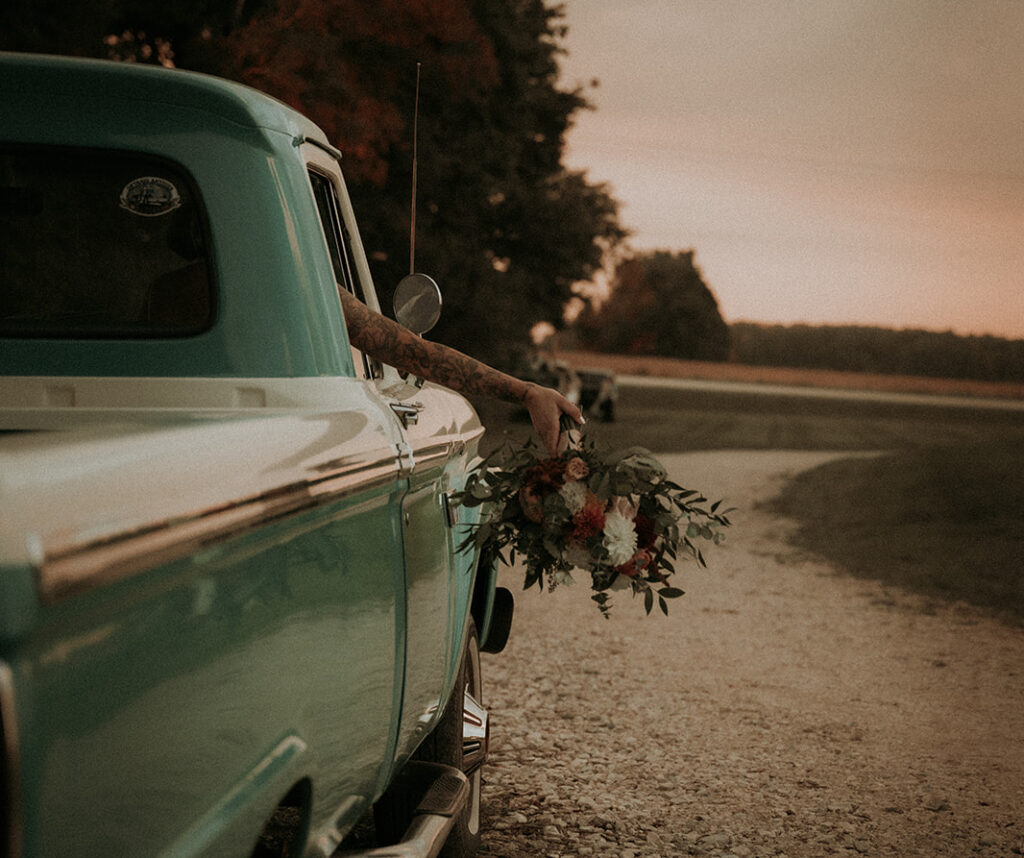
(231, 602)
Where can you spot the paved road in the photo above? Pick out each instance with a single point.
(939, 401)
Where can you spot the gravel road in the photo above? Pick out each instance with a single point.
(780, 710)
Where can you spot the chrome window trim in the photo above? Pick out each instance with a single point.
(320, 144)
(12, 763)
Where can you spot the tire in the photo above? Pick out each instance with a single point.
(444, 745)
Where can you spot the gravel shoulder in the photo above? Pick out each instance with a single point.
(781, 709)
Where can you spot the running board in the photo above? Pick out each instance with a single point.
(445, 791)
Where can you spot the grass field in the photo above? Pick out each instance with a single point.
(939, 514)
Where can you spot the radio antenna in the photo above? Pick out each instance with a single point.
(415, 136)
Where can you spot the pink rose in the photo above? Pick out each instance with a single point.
(576, 469)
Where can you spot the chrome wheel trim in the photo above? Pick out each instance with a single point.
(476, 727)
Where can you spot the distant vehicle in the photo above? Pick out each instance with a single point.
(599, 393)
(553, 373)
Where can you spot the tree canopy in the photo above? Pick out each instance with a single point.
(501, 224)
(659, 305)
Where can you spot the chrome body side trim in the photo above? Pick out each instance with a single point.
(10, 787)
(429, 456)
(66, 571)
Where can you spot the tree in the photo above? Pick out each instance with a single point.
(186, 33)
(659, 305)
(501, 224)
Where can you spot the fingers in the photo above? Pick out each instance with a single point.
(565, 406)
(546, 407)
(574, 412)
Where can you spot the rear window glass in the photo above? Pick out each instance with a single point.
(100, 244)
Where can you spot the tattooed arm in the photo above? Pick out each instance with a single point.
(390, 343)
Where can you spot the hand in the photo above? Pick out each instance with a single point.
(546, 406)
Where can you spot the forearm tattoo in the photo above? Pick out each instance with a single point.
(390, 343)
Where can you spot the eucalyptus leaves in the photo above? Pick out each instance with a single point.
(615, 516)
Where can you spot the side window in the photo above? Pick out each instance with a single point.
(100, 244)
(341, 258)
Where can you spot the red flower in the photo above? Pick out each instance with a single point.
(545, 477)
(645, 535)
(637, 564)
(588, 522)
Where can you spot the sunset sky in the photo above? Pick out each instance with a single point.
(830, 161)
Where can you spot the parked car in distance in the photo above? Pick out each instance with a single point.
(548, 372)
(599, 393)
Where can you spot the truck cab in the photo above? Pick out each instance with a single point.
(229, 582)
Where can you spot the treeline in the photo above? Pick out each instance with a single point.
(857, 348)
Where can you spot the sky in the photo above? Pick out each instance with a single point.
(829, 161)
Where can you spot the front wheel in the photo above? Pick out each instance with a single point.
(459, 740)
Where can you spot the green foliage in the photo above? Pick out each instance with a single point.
(862, 348)
(659, 305)
(501, 224)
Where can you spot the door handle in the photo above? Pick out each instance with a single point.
(408, 413)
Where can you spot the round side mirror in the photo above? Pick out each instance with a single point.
(417, 303)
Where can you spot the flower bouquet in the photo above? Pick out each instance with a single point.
(613, 515)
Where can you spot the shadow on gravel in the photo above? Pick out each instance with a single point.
(944, 522)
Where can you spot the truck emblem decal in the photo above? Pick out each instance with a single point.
(150, 196)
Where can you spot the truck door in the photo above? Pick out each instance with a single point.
(424, 419)
(429, 570)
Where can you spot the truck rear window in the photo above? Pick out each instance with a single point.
(100, 244)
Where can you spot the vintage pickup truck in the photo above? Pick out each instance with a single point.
(233, 618)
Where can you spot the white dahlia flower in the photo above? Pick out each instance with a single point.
(619, 538)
